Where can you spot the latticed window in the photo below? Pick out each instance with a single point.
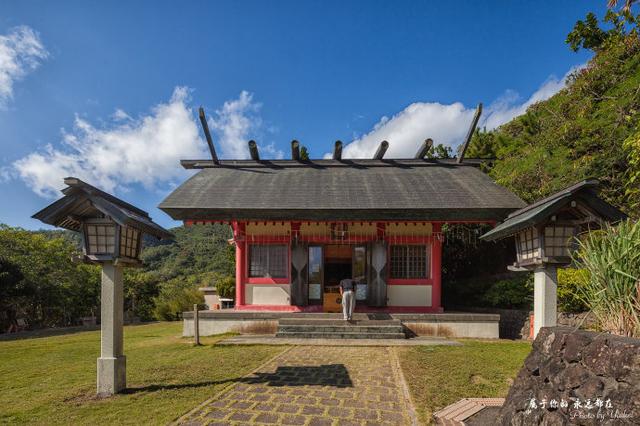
(528, 244)
(129, 240)
(409, 261)
(268, 261)
(101, 238)
(557, 240)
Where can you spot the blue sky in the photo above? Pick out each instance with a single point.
(109, 91)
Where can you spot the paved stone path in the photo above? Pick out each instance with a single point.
(315, 386)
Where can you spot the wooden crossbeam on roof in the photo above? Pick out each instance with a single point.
(253, 150)
(207, 135)
(295, 150)
(424, 148)
(472, 129)
(382, 149)
(337, 151)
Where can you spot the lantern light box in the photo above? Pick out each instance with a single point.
(551, 243)
(105, 238)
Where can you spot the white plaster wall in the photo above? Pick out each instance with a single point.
(268, 294)
(211, 300)
(409, 295)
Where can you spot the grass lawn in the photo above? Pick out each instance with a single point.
(441, 375)
(51, 380)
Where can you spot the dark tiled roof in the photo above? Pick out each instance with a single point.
(586, 191)
(83, 200)
(340, 190)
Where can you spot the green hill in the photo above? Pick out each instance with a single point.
(588, 129)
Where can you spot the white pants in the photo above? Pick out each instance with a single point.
(348, 303)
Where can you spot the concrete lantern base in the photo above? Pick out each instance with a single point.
(112, 375)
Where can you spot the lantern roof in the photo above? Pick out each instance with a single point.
(585, 192)
(83, 201)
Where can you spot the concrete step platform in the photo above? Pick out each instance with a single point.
(261, 339)
(339, 335)
(341, 329)
(337, 321)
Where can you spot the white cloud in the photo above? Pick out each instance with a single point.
(21, 51)
(145, 150)
(235, 123)
(445, 124)
(406, 130)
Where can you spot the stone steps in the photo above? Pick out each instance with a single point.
(339, 335)
(339, 329)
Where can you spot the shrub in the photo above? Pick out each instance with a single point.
(226, 287)
(569, 281)
(612, 291)
(513, 293)
(176, 296)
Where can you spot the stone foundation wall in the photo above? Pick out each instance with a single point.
(440, 325)
(514, 323)
(600, 372)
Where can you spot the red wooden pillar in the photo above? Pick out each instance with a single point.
(241, 246)
(436, 262)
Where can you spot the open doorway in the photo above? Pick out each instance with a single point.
(337, 266)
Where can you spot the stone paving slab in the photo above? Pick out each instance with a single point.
(261, 339)
(317, 385)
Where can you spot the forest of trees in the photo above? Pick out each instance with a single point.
(589, 129)
(40, 282)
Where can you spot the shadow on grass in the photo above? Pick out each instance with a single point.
(335, 375)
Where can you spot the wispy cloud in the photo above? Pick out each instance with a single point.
(445, 124)
(235, 123)
(21, 51)
(144, 150)
(510, 105)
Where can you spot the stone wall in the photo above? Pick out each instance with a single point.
(599, 371)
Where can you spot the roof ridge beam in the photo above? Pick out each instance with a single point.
(253, 150)
(382, 149)
(472, 128)
(424, 149)
(207, 135)
(337, 151)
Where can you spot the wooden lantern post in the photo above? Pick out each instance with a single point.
(545, 235)
(111, 232)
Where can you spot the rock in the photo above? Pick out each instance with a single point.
(575, 375)
(591, 388)
(567, 364)
(574, 346)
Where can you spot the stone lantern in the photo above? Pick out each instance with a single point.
(111, 231)
(545, 234)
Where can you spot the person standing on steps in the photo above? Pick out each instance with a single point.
(348, 293)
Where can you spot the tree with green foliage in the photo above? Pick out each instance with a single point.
(304, 153)
(439, 151)
(54, 290)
